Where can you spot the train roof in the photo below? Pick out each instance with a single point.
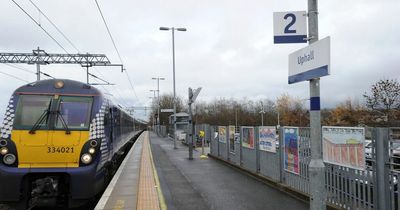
(58, 86)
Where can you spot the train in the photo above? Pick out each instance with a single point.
(60, 142)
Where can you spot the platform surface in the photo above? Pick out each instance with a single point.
(210, 184)
(135, 185)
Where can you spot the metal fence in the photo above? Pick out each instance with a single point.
(375, 187)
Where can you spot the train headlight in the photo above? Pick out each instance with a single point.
(92, 150)
(4, 151)
(59, 84)
(9, 159)
(86, 158)
(93, 143)
(3, 143)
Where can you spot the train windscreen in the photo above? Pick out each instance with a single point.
(75, 112)
(31, 108)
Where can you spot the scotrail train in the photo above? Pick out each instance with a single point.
(59, 143)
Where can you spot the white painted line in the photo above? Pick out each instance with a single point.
(107, 193)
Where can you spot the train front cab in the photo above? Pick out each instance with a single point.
(45, 142)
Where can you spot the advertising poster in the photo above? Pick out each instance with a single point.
(291, 145)
(222, 134)
(248, 137)
(232, 138)
(267, 138)
(344, 146)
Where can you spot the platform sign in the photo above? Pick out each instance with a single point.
(167, 110)
(310, 62)
(290, 27)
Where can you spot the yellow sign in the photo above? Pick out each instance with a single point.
(201, 134)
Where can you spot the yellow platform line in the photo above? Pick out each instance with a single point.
(149, 188)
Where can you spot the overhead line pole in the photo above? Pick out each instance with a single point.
(316, 165)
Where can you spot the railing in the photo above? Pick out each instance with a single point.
(375, 187)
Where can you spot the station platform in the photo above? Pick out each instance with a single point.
(154, 175)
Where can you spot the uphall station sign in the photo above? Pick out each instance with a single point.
(310, 62)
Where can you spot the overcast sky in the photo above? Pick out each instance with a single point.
(227, 49)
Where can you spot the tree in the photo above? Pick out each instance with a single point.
(384, 98)
(347, 114)
(292, 111)
(166, 102)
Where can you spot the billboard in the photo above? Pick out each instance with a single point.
(232, 138)
(344, 146)
(291, 145)
(248, 137)
(267, 138)
(222, 134)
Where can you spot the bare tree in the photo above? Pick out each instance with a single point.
(166, 102)
(384, 98)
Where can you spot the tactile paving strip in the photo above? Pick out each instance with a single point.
(148, 196)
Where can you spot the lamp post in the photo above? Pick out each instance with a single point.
(173, 69)
(158, 100)
(153, 98)
(262, 112)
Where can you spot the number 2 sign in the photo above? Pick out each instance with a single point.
(290, 27)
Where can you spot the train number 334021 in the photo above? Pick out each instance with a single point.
(60, 150)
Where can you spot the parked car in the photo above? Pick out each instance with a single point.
(394, 153)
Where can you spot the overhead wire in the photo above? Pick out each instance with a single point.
(26, 70)
(98, 78)
(108, 92)
(55, 26)
(47, 75)
(40, 26)
(15, 77)
(20, 68)
(115, 89)
(108, 30)
(116, 49)
(68, 40)
(73, 45)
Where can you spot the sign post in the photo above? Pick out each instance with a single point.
(192, 98)
(316, 165)
(309, 63)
